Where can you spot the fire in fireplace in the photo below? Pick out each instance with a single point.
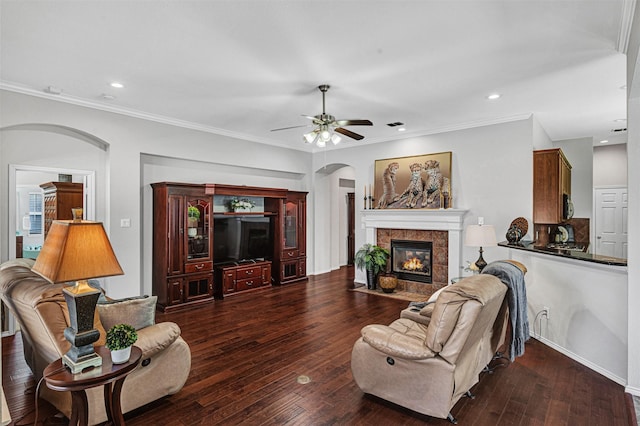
(411, 260)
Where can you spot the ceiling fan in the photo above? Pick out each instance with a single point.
(327, 126)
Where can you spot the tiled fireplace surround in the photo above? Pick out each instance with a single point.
(442, 227)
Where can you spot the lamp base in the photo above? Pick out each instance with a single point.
(481, 263)
(91, 360)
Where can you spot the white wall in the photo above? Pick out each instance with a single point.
(579, 152)
(587, 320)
(610, 165)
(633, 154)
(123, 186)
(492, 174)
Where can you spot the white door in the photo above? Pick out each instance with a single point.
(611, 222)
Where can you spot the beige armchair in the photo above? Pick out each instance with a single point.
(427, 365)
(41, 312)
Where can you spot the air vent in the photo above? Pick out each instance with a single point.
(397, 123)
(624, 129)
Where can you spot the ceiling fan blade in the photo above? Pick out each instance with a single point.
(354, 123)
(349, 133)
(290, 127)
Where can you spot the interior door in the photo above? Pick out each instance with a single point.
(611, 222)
(351, 227)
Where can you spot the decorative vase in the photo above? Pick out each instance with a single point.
(371, 279)
(388, 283)
(192, 232)
(192, 222)
(121, 356)
(513, 235)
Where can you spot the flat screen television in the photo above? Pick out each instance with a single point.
(242, 238)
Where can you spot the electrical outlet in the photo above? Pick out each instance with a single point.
(547, 312)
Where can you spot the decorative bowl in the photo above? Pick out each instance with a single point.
(388, 283)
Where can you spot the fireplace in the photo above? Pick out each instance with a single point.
(443, 227)
(412, 260)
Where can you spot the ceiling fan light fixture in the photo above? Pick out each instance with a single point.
(310, 137)
(325, 135)
(335, 139)
(321, 143)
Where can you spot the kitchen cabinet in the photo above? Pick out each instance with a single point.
(551, 186)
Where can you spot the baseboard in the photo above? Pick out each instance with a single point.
(619, 380)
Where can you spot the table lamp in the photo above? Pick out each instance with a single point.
(480, 236)
(76, 250)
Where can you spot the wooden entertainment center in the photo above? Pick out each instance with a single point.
(202, 249)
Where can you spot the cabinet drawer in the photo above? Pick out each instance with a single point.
(248, 283)
(290, 254)
(248, 272)
(190, 268)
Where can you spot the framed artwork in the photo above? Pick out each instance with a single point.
(416, 182)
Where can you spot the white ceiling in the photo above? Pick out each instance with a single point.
(242, 68)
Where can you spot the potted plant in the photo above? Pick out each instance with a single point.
(193, 215)
(241, 205)
(372, 259)
(120, 337)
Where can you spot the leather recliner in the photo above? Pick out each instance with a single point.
(427, 366)
(41, 312)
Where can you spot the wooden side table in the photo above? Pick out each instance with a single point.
(60, 378)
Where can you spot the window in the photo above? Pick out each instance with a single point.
(35, 213)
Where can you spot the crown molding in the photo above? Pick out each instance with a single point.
(626, 21)
(74, 100)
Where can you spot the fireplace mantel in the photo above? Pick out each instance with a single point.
(450, 220)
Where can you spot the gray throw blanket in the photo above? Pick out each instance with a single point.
(513, 278)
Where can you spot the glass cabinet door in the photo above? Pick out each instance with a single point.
(198, 228)
(291, 225)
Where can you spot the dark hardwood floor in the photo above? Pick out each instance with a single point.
(249, 350)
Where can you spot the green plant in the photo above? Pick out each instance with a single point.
(192, 211)
(121, 336)
(370, 257)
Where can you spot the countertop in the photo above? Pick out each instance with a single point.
(570, 254)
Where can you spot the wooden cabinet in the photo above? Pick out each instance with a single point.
(236, 278)
(551, 185)
(182, 245)
(292, 256)
(59, 199)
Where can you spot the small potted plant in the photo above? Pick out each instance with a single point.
(241, 205)
(193, 215)
(372, 259)
(120, 337)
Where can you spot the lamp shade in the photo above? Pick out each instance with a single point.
(480, 236)
(76, 250)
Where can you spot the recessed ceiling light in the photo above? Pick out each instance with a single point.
(494, 96)
(401, 129)
(604, 141)
(620, 120)
(117, 85)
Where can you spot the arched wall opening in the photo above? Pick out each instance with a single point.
(332, 183)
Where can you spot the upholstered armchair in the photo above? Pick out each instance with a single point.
(428, 365)
(41, 312)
